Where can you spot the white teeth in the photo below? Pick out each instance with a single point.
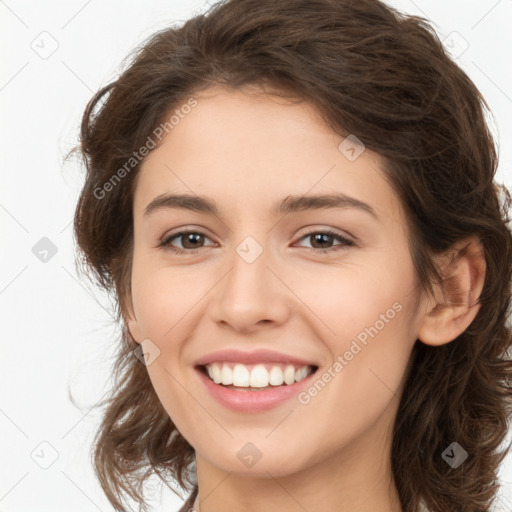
(257, 376)
(289, 374)
(240, 375)
(275, 377)
(217, 374)
(226, 375)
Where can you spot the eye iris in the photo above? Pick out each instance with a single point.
(191, 236)
(320, 238)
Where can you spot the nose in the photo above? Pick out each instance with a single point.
(251, 294)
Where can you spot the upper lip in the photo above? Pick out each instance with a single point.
(256, 356)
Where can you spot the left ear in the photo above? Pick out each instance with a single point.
(463, 269)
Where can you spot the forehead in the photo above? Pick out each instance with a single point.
(252, 148)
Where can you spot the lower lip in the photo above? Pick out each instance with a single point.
(253, 401)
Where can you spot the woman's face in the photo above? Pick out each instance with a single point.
(255, 277)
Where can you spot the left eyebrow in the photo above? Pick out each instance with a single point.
(289, 204)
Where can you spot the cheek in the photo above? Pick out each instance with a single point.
(376, 342)
(347, 301)
(369, 354)
(160, 296)
(161, 301)
(366, 322)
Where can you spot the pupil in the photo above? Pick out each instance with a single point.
(319, 236)
(192, 236)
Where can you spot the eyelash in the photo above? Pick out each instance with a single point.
(166, 243)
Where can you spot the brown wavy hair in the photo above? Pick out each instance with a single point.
(371, 71)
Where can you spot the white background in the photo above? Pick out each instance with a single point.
(56, 329)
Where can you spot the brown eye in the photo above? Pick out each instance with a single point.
(321, 241)
(190, 241)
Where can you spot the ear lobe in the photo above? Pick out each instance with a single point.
(463, 274)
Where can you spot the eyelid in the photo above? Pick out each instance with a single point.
(303, 231)
(309, 230)
(185, 229)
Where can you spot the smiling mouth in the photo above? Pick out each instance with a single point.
(257, 377)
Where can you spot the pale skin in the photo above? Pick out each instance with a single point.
(247, 153)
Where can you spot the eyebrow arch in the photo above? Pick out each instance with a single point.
(289, 204)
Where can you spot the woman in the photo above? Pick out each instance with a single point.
(294, 205)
